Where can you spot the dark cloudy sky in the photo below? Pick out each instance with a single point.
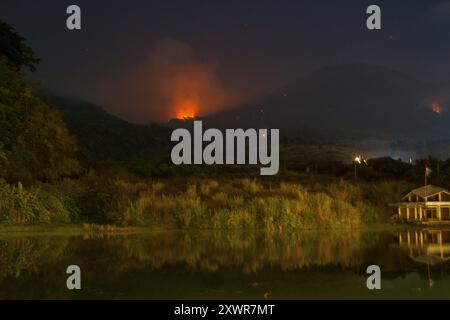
(140, 59)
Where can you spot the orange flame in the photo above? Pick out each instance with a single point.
(437, 108)
(186, 110)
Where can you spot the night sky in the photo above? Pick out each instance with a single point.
(140, 58)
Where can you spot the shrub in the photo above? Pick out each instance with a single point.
(20, 206)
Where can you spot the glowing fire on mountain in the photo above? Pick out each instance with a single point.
(437, 108)
(186, 110)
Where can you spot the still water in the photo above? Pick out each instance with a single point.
(228, 265)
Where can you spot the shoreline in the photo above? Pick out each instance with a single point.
(86, 229)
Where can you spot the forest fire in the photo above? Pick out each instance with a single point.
(437, 108)
(186, 110)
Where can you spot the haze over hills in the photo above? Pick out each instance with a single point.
(384, 104)
(391, 114)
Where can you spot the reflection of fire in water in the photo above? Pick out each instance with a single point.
(186, 110)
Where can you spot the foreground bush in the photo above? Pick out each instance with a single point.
(32, 206)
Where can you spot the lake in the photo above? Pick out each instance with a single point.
(227, 265)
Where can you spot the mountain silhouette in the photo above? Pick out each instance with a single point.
(105, 136)
(354, 101)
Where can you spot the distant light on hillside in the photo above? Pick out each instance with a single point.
(360, 159)
(437, 108)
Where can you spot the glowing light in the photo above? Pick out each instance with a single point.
(186, 110)
(437, 108)
(360, 159)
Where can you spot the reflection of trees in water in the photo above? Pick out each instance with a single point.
(204, 251)
(250, 252)
(29, 255)
(180, 261)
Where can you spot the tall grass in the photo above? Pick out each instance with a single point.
(202, 203)
(248, 204)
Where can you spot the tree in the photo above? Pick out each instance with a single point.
(34, 141)
(13, 47)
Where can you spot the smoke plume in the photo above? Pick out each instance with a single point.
(171, 83)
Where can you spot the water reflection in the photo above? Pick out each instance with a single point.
(430, 247)
(205, 251)
(225, 265)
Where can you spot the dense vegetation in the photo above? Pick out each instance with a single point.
(102, 136)
(221, 203)
(35, 143)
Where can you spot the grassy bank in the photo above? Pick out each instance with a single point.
(70, 229)
(200, 203)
